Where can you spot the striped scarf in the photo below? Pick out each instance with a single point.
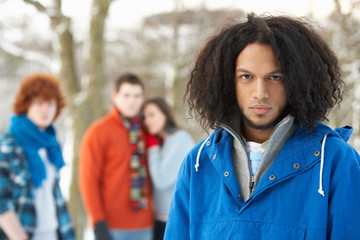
(138, 172)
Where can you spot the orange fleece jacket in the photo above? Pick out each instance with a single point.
(104, 176)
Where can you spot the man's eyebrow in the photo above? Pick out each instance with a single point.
(242, 70)
(277, 71)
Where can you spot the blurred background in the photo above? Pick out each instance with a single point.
(89, 43)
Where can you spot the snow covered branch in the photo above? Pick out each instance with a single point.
(37, 5)
(27, 55)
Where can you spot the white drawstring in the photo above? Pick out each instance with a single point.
(198, 155)
(321, 191)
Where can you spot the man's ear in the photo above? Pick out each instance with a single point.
(113, 95)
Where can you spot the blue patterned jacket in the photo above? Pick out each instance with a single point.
(17, 191)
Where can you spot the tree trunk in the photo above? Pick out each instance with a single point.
(85, 104)
(97, 78)
(76, 208)
(92, 108)
(70, 82)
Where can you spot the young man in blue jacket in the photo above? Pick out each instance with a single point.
(270, 170)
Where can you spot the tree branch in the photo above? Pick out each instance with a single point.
(337, 6)
(355, 4)
(31, 56)
(37, 5)
(62, 27)
(54, 13)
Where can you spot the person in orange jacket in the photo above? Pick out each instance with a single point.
(113, 177)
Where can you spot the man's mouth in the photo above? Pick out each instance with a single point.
(260, 109)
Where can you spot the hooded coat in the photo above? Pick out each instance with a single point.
(310, 191)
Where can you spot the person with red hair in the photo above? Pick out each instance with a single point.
(31, 203)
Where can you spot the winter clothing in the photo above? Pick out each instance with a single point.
(46, 221)
(143, 234)
(17, 190)
(273, 145)
(138, 175)
(102, 231)
(164, 165)
(159, 230)
(311, 190)
(255, 159)
(104, 176)
(32, 139)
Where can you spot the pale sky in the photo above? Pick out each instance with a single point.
(126, 9)
(129, 13)
(126, 12)
(132, 10)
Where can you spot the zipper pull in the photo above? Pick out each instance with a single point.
(251, 184)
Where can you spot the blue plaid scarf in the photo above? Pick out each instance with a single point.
(32, 138)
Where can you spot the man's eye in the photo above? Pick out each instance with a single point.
(276, 78)
(245, 76)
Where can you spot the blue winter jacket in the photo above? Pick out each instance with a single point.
(311, 191)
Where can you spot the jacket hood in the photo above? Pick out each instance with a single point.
(341, 132)
(344, 132)
(321, 130)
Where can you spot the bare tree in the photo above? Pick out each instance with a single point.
(84, 93)
(344, 36)
(175, 38)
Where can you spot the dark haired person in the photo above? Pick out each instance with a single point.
(270, 170)
(113, 178)
(31, 203)
(164, 158)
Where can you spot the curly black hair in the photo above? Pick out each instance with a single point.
(310, 69)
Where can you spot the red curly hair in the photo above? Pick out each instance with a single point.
(39, 85)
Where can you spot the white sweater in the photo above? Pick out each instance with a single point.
(164, 164)
(45, 207)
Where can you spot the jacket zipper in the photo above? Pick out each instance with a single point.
(251, 184)
(252, 178)
(275, 183)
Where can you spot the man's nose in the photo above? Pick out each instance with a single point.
(261, 90)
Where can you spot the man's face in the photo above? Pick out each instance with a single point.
(42, 112)
(260, 90)
(128, 99)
